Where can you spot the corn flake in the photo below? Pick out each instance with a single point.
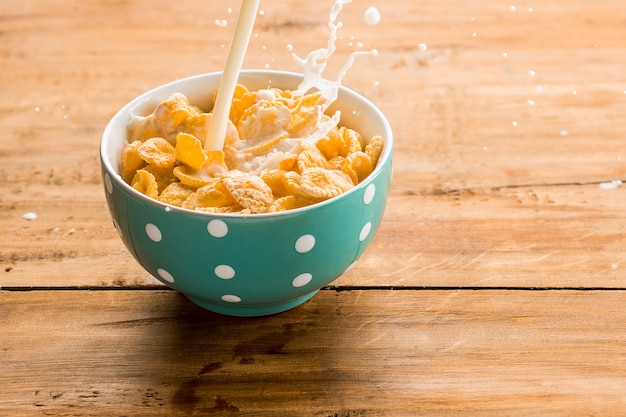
(250, 191)
(157, 151)
(175, 194)
(145, 183)
(131, 161)
(162, 176)
(320, 183)
(213, 194)
(290, 202)
(311, 156)
(357, 165)
(333, 145)
(374, 148)
(276, 179)
(191, 177)
(189, 151)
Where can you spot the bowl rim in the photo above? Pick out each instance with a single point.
(114, 175)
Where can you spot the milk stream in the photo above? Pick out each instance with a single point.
(236, 54)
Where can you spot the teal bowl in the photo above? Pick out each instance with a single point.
(247, 265)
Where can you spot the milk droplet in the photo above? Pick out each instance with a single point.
(514, 124)
(530, 10)
(474, 34)
(574, 92)
(372, 16)
(539, 89)
(261, 12)
(505, 55)
(610, 185)
(422, 47)
(289, 47)
(229, 10)
(530, 102)
(29, 216)
(563, 132)
(614, 266)
(37, 109)
(512, 8)
(531, 73)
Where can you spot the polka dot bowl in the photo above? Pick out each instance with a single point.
(247, 265)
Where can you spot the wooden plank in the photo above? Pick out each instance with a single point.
(475, 201)
(349, 353)
(534, 236)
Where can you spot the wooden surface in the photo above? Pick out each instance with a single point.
(496, 284)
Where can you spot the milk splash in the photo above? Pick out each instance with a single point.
(312, 68)
(316, 61)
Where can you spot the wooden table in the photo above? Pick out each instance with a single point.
(496, 284)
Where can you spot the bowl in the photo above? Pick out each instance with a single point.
(247, 265)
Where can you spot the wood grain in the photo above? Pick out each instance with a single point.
(417, 352)
(475, 201)
(507, 123)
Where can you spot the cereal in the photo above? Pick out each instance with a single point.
(157, 151)
(131, 161)
(213, 194)
(358, 166)
(374, 148)
(322, 184)
(189, 151)
(145, 183)
(175, 194)
(353, 138)
(164, 121)
(248, 190)
(274, 158)
(333, 145)
(263, 120)
(309, 157)
(191, 177)
(276, 179)
(304, 115)
(162, 176)
(290, 202)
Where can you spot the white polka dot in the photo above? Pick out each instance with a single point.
(301, 280)
(229, 298)
(368, 196)
(217, 228)
(305, 243)
(165, 275)
(153, 232)
(365, 231)
(224, 272)
(108, 183)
